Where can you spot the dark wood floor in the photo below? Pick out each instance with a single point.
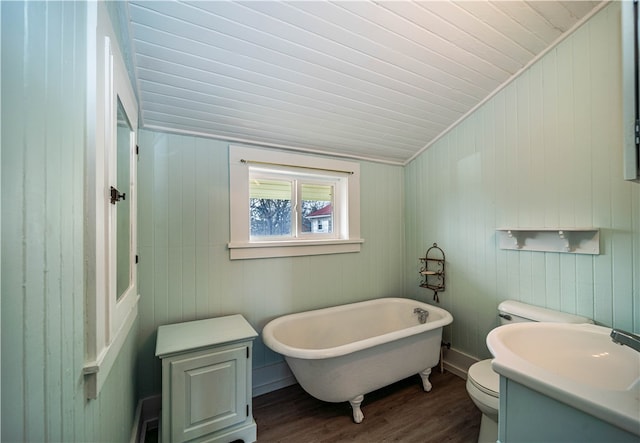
(402, 412)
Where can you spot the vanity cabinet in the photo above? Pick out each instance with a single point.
(206, 380)
(529, 416)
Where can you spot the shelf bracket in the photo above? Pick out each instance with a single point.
(565, 236)
(516, 240)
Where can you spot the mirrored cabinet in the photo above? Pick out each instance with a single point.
(111, 168)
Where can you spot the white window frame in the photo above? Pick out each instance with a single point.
(108, 319)
(346, 175)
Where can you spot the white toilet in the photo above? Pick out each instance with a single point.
(483, 383)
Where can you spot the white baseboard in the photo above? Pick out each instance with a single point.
(457, 362)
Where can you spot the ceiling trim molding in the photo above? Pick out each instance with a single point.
(251, 142)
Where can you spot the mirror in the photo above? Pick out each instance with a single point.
(630, 26)
(123, 207)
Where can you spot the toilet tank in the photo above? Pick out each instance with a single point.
(511, 311)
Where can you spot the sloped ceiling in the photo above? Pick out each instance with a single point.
(370, 80)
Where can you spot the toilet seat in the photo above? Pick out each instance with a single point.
(483, 377)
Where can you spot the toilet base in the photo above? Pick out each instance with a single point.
(488, 430)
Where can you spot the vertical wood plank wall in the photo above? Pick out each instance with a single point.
(185, 272)
(545, 151)
(43, 152)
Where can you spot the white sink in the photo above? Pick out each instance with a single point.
(576, 364)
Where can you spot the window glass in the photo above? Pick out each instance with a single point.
(270, 207)
(296, 207)
(317, 208)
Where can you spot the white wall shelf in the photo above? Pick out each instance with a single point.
(568, 240)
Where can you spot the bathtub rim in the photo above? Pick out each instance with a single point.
(323, 353)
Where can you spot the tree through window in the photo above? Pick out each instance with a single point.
(289, 208)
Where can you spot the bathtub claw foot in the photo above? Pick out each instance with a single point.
(426, 384)
(358, 416)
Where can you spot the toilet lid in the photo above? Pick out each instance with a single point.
(484, 377)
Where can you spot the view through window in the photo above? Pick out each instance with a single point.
(293, 207)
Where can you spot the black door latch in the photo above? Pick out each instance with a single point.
(116, 196)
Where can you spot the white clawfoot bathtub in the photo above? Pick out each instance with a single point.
(343, 352)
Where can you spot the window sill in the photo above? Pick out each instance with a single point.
(294, 248)
(96, 372)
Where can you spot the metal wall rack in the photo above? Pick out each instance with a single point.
(432, 270)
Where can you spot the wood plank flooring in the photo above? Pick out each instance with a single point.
(401, 412)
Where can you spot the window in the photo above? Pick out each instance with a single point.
(288, 205)
(112, 113)
(285, 204)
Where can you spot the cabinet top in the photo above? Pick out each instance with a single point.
(187, 336)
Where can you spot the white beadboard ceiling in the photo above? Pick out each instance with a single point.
(370, 80)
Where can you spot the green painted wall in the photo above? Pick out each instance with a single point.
(545, 151)
(43, 92)
(185, 272)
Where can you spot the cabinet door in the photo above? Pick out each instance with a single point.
(208, 392)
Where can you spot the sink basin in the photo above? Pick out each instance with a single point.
(576, 364)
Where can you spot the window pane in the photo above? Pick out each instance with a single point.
(270, 207)
(317, 208)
